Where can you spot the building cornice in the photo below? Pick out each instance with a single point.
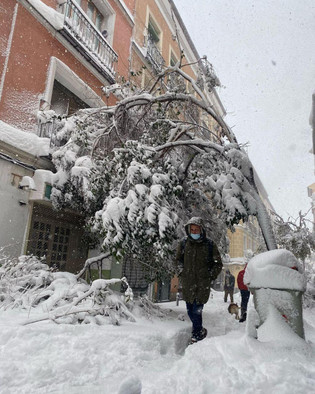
(24, 159)
(121, 4)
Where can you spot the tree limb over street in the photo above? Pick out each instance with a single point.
(139, 169)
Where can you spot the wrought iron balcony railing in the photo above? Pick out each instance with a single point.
(154, 55)
(86, 38)
(49, 128)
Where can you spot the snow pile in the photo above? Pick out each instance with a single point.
(152, 356)
(52, 16)
(28, 283)
(23, 140)
(63, 297)
(28, 183)
(275, 328)
(276, 269)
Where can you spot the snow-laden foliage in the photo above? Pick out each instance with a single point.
(60, 296)
(16, 278)
(139, 169)
(139, 214)
(230, 186)
(65, 298)
(295, 235)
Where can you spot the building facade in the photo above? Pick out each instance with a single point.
(57, 55)
(311, 188)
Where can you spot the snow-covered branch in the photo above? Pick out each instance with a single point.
(133, 169)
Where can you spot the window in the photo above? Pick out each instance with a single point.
(95, 16)
(57, 236)
(98, 21)
(173, 59)
(50, 240)
(154, 45)
(40, 238)
(48, 189)
(64, 102)
(15, 180)
(90, 11)
(153, 32)
(60, 246)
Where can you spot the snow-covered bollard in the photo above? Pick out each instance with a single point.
(276, 280)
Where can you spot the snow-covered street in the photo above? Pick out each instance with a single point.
(143, 161)
(151, 355)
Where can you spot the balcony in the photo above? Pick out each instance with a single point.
(85, 37)
(154, 55)
(48, 129)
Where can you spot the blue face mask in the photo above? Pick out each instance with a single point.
(195, 236)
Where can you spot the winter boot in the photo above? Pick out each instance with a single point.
(243, 318)
(203, 334)
(193, 340)
(196, 338)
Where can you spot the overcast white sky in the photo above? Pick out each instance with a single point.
(263, 52)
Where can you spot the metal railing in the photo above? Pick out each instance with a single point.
(154, 55)
(87, 39)
(49, 129)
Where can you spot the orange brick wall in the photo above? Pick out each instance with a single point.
(29, 58)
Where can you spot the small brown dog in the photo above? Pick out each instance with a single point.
(234, 310)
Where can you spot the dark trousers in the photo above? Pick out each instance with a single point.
(229, 292)
(195, 315)
(245, 297)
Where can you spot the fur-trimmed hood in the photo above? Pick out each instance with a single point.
(199, 222)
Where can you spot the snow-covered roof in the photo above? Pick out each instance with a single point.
(23, 140)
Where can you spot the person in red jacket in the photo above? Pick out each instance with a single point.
(245, 293)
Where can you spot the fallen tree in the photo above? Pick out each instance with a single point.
(139, 169)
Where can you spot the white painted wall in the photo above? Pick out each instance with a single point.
(14, 216)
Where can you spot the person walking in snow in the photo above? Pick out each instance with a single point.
(229, 283)
(245, 293)
(198, 263)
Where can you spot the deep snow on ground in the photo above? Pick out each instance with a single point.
(153, 356)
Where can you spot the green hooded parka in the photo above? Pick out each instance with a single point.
(198, 263)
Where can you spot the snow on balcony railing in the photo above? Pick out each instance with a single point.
(154, 55)
(87, 38)
(48, 128)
